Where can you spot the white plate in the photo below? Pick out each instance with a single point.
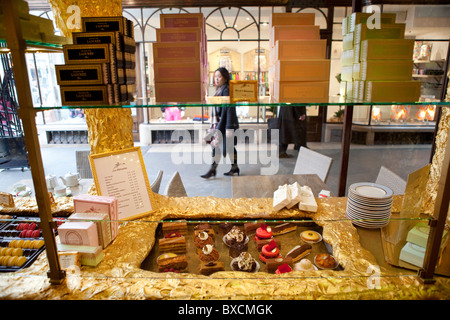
(223, 239)
(256, 270)
(320, 237)
(371, 190)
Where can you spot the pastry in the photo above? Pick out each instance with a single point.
(209, 268)
(225, 227)
(273, 264)
(208, 254)
(37, 244)
(283, 228)
(325, 261)
(244, 262)
(262, 243)
(173, 264)
(166, 255)
(263, 232)
(237, 248)
(202, 226)
(269, 251)
(304, 265)
(299, 252)
(235, 235)
(310, 236)
(202, 239)
(284, 268)
(174, 242)
(250, 227)
(179, 226)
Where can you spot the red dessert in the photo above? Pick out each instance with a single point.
(263, 232)
(284, 268)
(269, 251)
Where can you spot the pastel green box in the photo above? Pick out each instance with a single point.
(419, 234)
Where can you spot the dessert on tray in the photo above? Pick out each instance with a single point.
(172, 264)
(304, 265)
(251, 227)
(237, 248)
(299, 252)
(283, 228)
(263, 232)
(284, 268)
(235, 235)
(209, 268)
(325, 261)
(310, 236)
(208, 254)
(269, 251)
(225, 227)
(202, 238)
(173, 242)
(262, 243)
(244, 262)
(273, 264)
(179, 226)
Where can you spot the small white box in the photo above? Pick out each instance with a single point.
(413, 254)
(307, 200)
(281, 197)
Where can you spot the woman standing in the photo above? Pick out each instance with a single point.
(225, 121)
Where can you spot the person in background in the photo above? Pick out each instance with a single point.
(225, 121)
(292, 122)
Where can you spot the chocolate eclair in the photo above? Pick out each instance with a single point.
(299, 252)
(283, 228)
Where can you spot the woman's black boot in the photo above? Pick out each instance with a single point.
(234, 169)
(211, 172)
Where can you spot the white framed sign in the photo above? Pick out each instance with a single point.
(121, 174)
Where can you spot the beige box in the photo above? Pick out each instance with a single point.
(179, 35)
(356, 53)
(178, 72)
(177, 51)
(349, 89)
(386, 70)
(180, 92)
(387, 31)
(347, 73)
(361, 17)
(301, 92)
(345, 23)
(302, 70)
(293, 33)
(356, 71)
(298, 49)
(292, 19)
(389, 49)
(184, 20)
(392, 91)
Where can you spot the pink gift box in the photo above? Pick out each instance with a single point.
(78, 233)
(99, 204)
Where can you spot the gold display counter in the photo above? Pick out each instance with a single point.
(119, 275)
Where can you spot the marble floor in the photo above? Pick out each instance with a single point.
(191, 161)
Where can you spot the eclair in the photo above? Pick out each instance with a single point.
(299, 252)
(283, 228)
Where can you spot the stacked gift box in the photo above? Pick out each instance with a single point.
(34, 28)
(100, 64)
(299, 70)
(413, 252)
(90, 229)
(180, 58)
(377, 62)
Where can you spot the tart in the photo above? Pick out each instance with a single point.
(310, 236)
(325, 261)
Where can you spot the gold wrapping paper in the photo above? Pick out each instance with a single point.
(119, 276)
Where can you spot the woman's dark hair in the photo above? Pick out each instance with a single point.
(225, 74)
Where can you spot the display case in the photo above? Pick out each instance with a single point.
(346, 257)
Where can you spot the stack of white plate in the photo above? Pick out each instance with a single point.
(369, 205)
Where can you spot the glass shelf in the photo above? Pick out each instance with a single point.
(333, 101)
(34, 47)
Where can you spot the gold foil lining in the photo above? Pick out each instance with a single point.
(118, 276)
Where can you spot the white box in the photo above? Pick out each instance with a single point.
(307, 200)
(281, 197)
(295, 194)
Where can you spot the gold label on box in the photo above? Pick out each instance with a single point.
(99, 53)
(243, 90)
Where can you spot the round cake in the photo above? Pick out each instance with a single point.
(325, 261)
(263, 232)
(269, 251)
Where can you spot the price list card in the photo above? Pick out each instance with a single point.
(122, 175)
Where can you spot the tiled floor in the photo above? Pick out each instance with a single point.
(192, 161)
